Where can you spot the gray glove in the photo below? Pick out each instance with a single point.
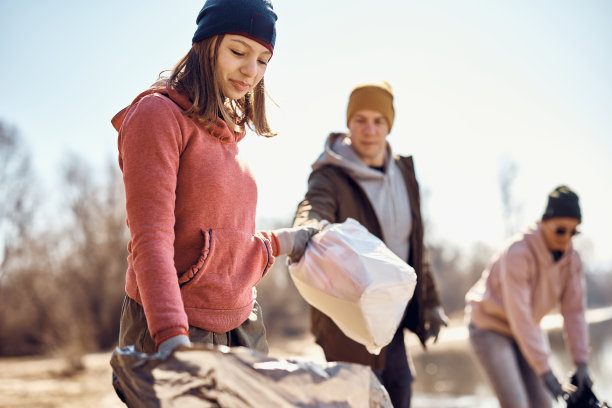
(315, 223)
(434, 319)
(293, 241)
(554, 386)
(168, 346)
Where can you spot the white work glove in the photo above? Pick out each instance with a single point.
(168, 346)
(293, 241)
(435, 318)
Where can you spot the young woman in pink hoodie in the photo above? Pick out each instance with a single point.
(536, 272)
(195, 256)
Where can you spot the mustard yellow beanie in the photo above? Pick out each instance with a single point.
(377, 97)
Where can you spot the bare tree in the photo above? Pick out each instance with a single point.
(511, 210)
(456, 272)
(94, 268)
(27, 285)
(18, 199)
(61, 288)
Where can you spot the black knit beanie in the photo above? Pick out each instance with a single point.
(562, 202)
(252, 18)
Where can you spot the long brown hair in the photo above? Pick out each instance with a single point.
(194, 76)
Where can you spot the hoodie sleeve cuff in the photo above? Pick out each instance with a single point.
(165, 334)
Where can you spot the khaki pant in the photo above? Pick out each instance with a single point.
(133, 331)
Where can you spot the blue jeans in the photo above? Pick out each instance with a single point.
(513, 380)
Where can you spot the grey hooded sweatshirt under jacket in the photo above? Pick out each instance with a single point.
(382, 188)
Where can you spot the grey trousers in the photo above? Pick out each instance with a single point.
(514, 382)
(133, 331)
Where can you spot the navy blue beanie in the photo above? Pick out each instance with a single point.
(252, 18)
(562, 202)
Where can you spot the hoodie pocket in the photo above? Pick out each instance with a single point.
(190, 274)
(230, 259)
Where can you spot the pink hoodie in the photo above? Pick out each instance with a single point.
(195, 256)
(523, 285)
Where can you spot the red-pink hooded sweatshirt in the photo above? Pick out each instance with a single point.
(524, 284)
(195, 256)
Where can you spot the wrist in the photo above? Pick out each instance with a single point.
(172, 343)
(166, 334)
(285, 238)
(275, 245)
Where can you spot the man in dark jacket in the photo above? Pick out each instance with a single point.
(357, 176)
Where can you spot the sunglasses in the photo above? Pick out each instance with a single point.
(561, 231)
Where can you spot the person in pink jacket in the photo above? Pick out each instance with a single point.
(536, 272)
(194, 254)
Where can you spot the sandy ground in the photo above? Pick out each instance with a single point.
(60, 382)
(446, 375)
(56, 382)
(86, 382)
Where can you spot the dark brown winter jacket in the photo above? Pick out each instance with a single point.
(335, 196)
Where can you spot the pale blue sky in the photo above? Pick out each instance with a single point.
(476, 83)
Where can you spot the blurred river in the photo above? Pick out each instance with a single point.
(448, 377)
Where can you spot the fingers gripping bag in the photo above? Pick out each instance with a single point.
(355, 279)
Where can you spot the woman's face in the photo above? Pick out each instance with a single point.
(558, 232)
(368, 131)
(241, 63)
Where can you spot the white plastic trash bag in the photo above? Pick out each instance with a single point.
(351, 276)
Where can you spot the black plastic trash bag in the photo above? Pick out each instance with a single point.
(207, 376)
(584, 398)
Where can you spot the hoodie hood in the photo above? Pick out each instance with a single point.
(158, 87)
(338, 152)
(386, 190)
(534, 237)
(221, 129)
